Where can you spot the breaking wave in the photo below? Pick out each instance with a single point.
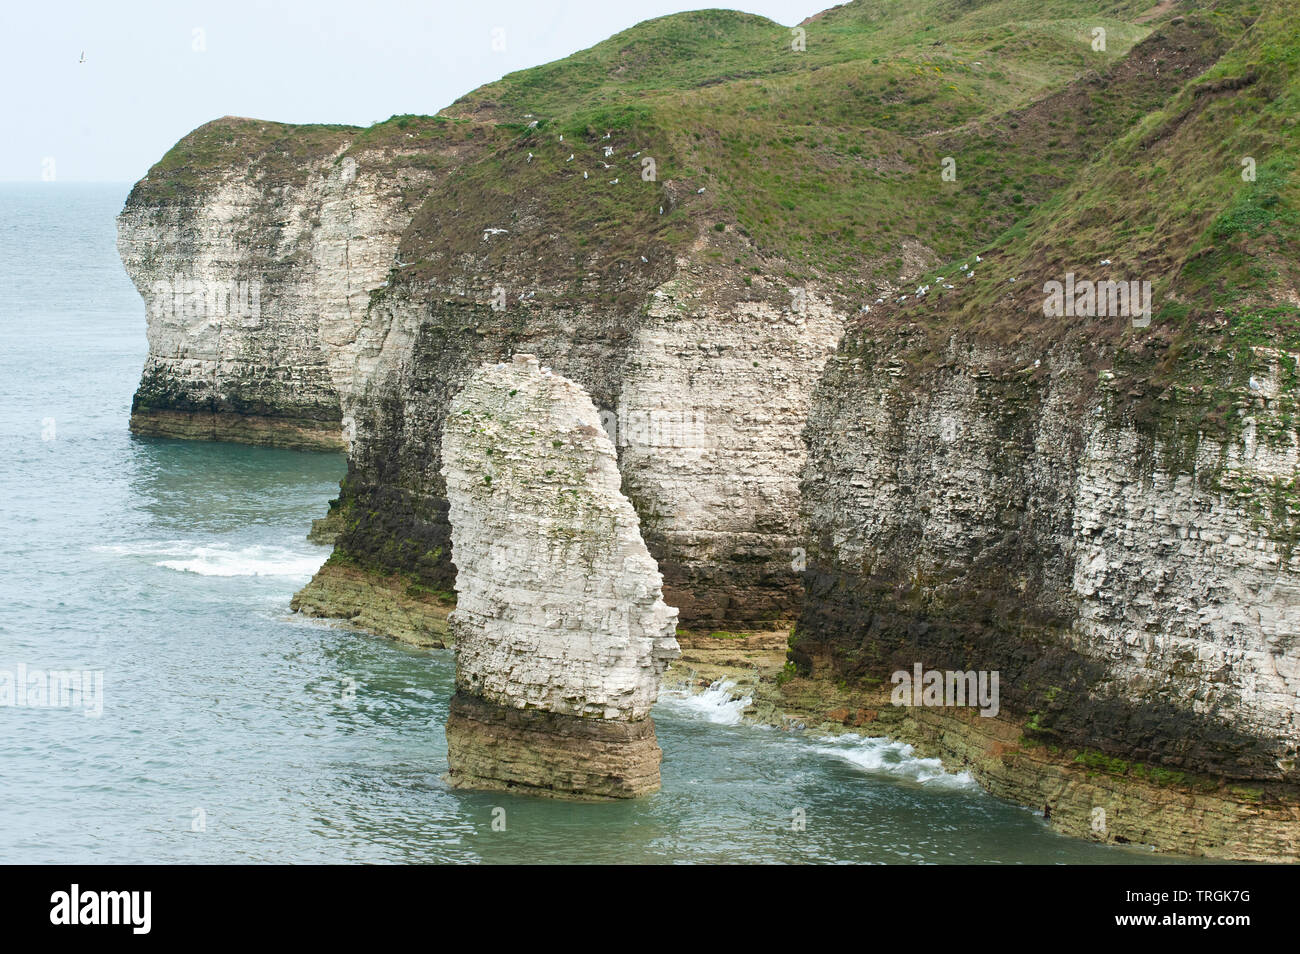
(223, 560)
(881, 756)
(719, 704)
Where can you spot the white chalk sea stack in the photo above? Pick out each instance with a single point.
(561, 630)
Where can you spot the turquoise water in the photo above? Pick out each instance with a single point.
(228, 732)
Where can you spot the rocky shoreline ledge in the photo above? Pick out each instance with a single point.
(1169, 812)
(384, 605)
(235, 428)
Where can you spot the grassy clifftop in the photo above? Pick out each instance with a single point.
(1200, 195)
(282, 154)
(688, 51)
(819, 148)
(822, 149)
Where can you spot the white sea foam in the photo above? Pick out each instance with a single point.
(224, 560)
(719, 704)
(881, 756)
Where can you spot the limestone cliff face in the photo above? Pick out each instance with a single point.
(709, 419)
(1136, 591)
(281, 309)
(1188, 576)
(256, 283)
(560, 625)
(702, 385)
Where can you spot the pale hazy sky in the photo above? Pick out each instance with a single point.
(149, 78)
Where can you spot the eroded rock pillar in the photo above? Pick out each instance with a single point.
(561, 630)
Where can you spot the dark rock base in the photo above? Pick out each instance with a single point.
(388, 606)
(237, 429)
(532, 751)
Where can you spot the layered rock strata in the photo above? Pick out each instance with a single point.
(1136, 592)
(257, 274)
(703, 387)
(560, 627)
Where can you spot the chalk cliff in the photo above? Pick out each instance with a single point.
(823, 405)
(1138, 602)
(1099, 507)
(256, 246)
(560, 626)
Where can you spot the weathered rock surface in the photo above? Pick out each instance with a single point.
(560, 627)
(704, 390)
(389, 605)
(256, 282)
(1137, 600)
(709, 419)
